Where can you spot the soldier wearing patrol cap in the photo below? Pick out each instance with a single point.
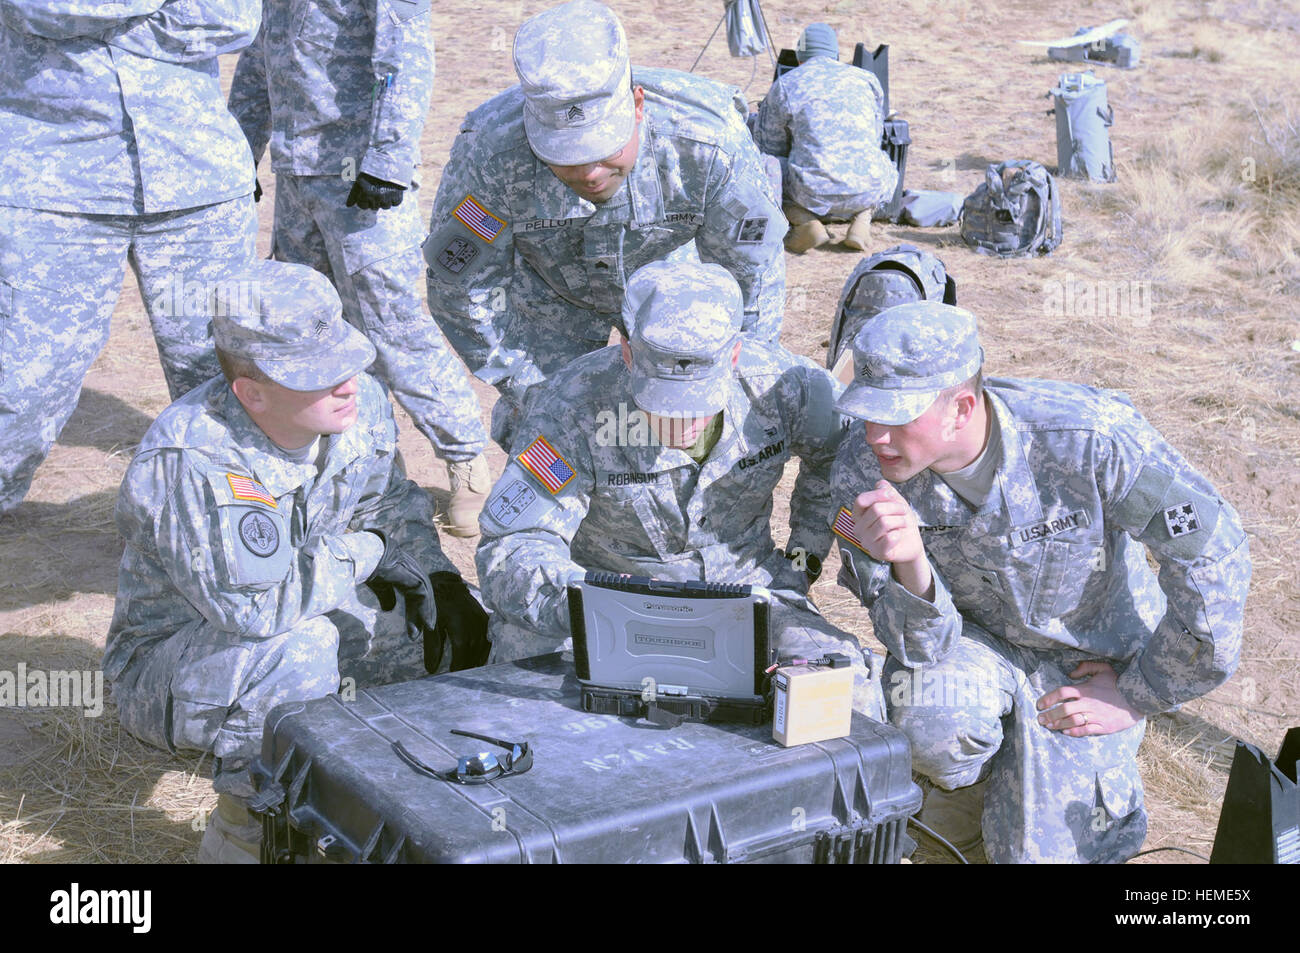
(825, 120)
(253, 512)
(659, 458)
(998, 534)
(340, 92)
(561, 187)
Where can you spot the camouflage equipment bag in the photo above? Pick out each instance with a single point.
(1083, 120)
(897, 275)
(1015, 213)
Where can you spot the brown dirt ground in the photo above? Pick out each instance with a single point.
(1215, 367)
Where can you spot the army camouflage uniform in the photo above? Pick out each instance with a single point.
(634, 506)
(228, 605)
(240, 584)
(117, 145)
(1049, 571)
(538, 279)
(339, 89)
(824, 120)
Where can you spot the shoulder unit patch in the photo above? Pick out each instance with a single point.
(1182, 520)
(258, 533)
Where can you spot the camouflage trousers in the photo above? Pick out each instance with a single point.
(1050, 797)
(60, 275)
(798, 631)
(809, 202)
(206, 690)
(373, 258)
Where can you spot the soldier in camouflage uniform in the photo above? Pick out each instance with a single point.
(254, 510)
(998, 534)
(825, 120)
(117, 145)
(561, 187)
(659, 458)
(340, 91)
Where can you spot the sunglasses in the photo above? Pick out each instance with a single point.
(479, 768)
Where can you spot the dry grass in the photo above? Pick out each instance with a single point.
(1206, 211)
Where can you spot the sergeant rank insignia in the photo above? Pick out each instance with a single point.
(1182, 520)
(457, 255)
(543, 462)
(843, 527)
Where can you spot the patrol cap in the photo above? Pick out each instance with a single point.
(683, 319)
(817, 39)
(905, 356)
(574, 71)
(288, 321)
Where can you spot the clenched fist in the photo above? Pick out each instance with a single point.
(886, 526)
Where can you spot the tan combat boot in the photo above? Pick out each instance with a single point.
(470, 483)
(806, 230)
(802, 238)
(233, 834)
(955, 816)
(859, 232)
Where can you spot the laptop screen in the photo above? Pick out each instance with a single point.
(686, 638)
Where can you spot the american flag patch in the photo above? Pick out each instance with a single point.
(478, 219)
(843, 527)
(245, 488)
(548, 466)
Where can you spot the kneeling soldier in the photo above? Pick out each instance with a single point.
(996, 532)
(659, 458)
(255, 510)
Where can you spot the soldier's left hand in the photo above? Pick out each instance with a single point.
(374, 194)
(1094, 707)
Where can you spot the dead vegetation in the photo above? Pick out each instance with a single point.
(1206, 213)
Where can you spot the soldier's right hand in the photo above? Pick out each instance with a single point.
(400, 572)
(886, 525)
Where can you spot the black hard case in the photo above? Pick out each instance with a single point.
(602, 789)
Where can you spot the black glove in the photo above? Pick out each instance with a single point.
(461, 621)
(399, 572)
(369, 192)
(257, 190)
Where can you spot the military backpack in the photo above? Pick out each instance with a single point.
(1015, 213)
(895, 276)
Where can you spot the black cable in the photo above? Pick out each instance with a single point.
(961, 858)
(1184, 850)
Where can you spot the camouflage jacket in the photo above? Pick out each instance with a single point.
(116, 108)
(619, 501)
(1054, 559)
(337, 87)
(220, 526)
(697, 177)
(828, 117)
